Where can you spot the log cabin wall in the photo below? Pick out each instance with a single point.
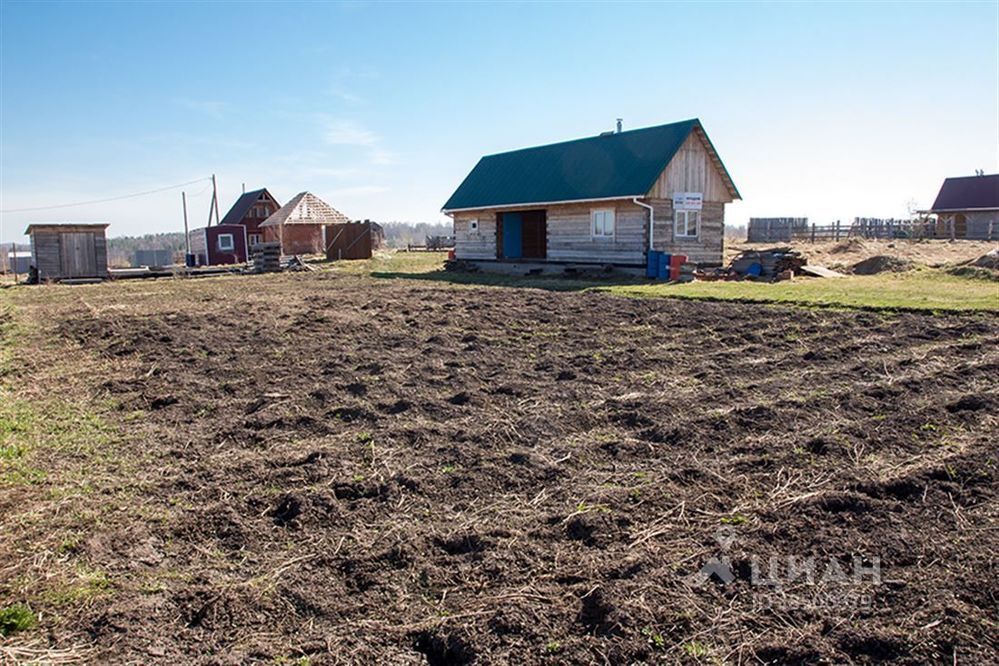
(570, 235)
(477, 243)
(707, 248)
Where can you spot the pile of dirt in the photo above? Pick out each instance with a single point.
(882, 264)
(370, 471)
(848, 245)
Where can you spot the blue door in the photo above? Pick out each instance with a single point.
(513, 236)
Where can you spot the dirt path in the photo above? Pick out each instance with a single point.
(354, 470)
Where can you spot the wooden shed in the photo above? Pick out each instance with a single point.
(69, 250)
(353, 240)
(606, 199)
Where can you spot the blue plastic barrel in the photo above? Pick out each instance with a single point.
(662, 267)
(652, 267)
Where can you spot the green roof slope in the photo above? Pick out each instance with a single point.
(625, 164)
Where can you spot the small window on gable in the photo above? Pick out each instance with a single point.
(473, 226)
(602, 222)
(227, 243)
(685, 223)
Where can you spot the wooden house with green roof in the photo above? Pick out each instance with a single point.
(603, 200)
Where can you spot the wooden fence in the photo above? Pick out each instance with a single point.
(778, 230)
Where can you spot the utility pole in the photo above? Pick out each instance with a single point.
(215, 198)
(187, 238)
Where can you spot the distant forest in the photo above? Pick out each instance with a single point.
(397, 234)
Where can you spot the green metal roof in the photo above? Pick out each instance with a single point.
(625, 164)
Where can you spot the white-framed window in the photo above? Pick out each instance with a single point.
(685, 223)
(602, 223)
(227, 243)
(255, 239)
(473, 226)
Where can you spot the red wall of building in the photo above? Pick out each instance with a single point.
(218, 257)
(252, 223)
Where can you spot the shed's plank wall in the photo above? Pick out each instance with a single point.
(706, 248)
(481, 245)
(691, 170)
(47, 254)
(101, 255)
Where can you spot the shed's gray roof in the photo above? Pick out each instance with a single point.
(64, 226)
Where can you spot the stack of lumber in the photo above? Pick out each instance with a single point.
(266, 257)
(768, 263)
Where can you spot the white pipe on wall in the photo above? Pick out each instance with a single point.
(652, 219)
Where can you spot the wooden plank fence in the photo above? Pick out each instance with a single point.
(787, 229)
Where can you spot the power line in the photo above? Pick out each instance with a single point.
(96, 201)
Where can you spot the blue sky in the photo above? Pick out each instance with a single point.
(821, 110)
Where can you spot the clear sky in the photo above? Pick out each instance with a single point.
(827, 110)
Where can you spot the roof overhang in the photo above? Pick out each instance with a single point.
(535, 204)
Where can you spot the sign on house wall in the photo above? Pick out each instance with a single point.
(688, 200)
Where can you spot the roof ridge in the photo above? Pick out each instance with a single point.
(984, 175)
(609, 135)
(283, 214)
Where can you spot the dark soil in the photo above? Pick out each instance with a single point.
(388, 472)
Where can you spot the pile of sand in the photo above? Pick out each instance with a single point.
(882, 263)
(848, 245)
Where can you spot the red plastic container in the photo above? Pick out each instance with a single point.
(675, 261)
(450, 255)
